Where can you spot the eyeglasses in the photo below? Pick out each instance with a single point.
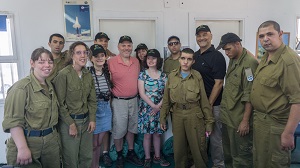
(82, 52)
(173, 43)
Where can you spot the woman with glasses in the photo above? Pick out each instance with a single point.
(77, 107)
(31, 116)
(102, 84)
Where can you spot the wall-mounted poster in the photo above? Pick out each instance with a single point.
(260, 50)
(77, 19)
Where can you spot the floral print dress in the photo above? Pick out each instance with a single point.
(154, 89)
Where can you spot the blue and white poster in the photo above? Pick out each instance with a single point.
(78, 22)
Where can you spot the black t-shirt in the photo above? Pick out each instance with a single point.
(212, 65)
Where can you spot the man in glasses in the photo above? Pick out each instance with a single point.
(124, 75)
(172, 62)
(56, 44)
(212, 66)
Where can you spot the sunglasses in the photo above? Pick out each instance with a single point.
(173, 43)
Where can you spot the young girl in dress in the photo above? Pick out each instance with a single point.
(151, 85)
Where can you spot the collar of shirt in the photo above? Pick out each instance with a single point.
(178, 73)
(36, 85)
(238, 61)
(120, 61)
(276, 55)
(210, 49)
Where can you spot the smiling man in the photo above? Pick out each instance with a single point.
(236, 109)
(275, 97)
(124, 75)
(212, 66)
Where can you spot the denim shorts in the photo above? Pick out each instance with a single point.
(103, 117)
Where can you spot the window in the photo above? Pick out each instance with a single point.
(8, 58)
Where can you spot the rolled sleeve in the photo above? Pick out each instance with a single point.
(14, 109)
(290, 83)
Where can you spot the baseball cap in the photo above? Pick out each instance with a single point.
(202, 28)
(153, 53)
(96, 49)
(101, 35)
(125, 38)
(173, 37)
(228, 38)
(141, 46)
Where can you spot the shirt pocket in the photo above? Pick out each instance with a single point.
(234, 85)
(192, 94)
(74, 90)
(38, 114)
(269, 87)
(174, 91)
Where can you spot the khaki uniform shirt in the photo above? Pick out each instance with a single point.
(109, 53)
(59, 64)
(170, 64)
(75, 95)
(276, 84)
(237, 89)
(27, 105)
(185, 91)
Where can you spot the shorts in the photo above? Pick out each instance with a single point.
(103, 117)
(125, 117)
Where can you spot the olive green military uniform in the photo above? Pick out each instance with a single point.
(192, 116)
(59, 64)
(275, 88)
(34, 109)
(170, 64)
(239, 77)
(76, 98)
(109, 53)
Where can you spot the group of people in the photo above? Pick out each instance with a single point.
(64, 111)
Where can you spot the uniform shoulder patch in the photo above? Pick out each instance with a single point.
(249, 74)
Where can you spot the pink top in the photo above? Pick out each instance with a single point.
(124, 77)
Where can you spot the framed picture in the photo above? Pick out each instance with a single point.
(77, 20)
(260, 50)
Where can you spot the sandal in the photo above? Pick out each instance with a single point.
(147, 163)
(162, 161)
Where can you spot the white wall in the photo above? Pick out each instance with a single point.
(36, 20)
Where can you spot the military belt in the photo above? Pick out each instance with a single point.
(186, 106)
(79, 116)
(39, 133)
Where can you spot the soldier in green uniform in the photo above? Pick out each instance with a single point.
(192, 113)
(76, 95)
(56, 44)
(172, 62)
(31, 115)
(275, 97)
(236, 109)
